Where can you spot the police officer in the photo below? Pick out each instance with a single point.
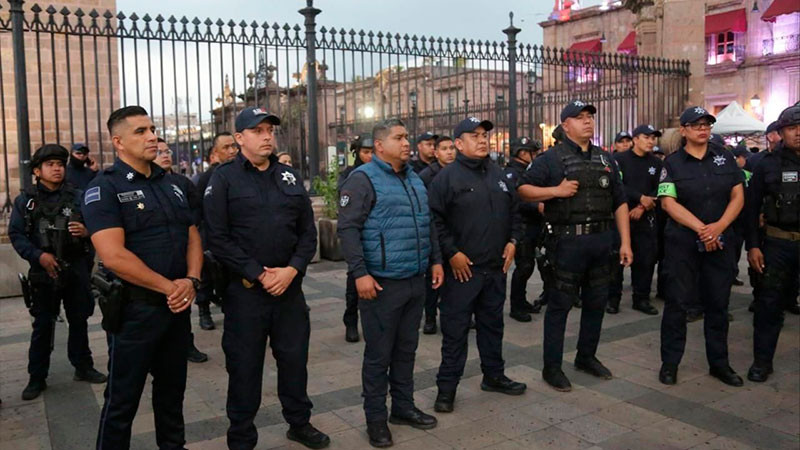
(425, 145)
(362, 151)
(223, 149)
(81, 168)
(46, 229)
(261, 228)
(623, 142)
(701, 191)
(640, 171)
(144, 233)
(523, 151)
(478, 222)
(389, 242)
(583, 195)
(445, 153)
(185, 186)
(775, 190)
(658, 152)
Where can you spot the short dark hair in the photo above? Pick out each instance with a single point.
(160, 139)
(123, 113)
(441, 139)
(219, 135)
(381, 129)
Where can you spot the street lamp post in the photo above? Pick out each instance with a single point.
(412, 97)
(531, 81)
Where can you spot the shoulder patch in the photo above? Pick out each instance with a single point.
(91, 195)
(663, 175)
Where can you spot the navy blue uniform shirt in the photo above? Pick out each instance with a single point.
(547, 170)
(766, 179)
(153, 211)
(256, 218)
(78, 174)
(639, 175)
(702, 186)
(475, 211)
(29, 247)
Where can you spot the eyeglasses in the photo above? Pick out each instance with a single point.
(700, 125)
(164, 153)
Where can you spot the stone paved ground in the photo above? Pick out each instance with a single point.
(632, 411)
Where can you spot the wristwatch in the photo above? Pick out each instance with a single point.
(195, 283)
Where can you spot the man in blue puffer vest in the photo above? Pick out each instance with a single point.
(387, 239)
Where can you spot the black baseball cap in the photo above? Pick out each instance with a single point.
(658, 150)
(716, 139)
(48, 152)
(426, 136)
(575, 107)
(524, 143)
(80, 147)
(252, 116)
(695, 113)
(469, 125)
(362, 141)
(789, 116)
(646, 129)
(741, 150)
(772, 127)
(622, 135)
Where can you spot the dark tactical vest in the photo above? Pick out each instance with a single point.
(594, 201)
(782, 209)
(48, 223)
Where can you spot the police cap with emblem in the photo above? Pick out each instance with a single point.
(717, 140)
(741, 150)
(575, 108)
(695, 113)
(426, 136)
(622, 135)
(469, 125)
(646, 129)
(658, 150)
(789, 116)
(524, 143)
(251, 117)
(361, 141)
(48, 152)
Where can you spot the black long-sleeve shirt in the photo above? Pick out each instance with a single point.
(639, 175)
(357, 200)
(475, 211)
(256, 218)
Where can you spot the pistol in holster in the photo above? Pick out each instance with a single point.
(111, 301)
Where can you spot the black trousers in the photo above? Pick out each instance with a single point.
(644, 244)
(78, 302)
(431, 297)
(696, 279)
(483, 295)
(582, 267)
(152, 340)
(252, 319)
(350, 318)
(525, 262)
(778, 286)
(390, 324)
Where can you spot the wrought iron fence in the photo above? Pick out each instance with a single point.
(72, 68)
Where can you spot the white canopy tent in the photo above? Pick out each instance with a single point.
(735, 120)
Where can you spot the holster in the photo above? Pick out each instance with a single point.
(27, 295)
(219, 275)
(110, 300)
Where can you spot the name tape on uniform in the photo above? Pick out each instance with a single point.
(130, 196)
